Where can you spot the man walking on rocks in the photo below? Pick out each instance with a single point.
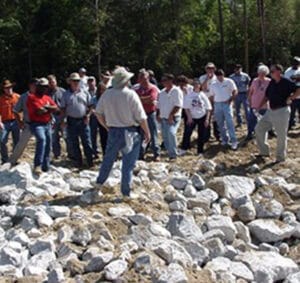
(280, 93)
(121, 112)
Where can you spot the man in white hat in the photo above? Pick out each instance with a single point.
(121, 112)
(83, 78)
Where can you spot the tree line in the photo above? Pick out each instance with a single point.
(38, 37)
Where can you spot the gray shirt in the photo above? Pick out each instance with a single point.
(56, 95)
(22, 107)
(121, 108)
(242, 81)
(76, 104)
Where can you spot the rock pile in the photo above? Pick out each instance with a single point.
(182, 227)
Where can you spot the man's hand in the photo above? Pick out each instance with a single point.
(289, 101)
(1, 126)
(86, 120)
(171, 120)
(206, 123)
(158, 119)
(147, 137)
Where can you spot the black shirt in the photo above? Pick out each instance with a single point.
(278, 93)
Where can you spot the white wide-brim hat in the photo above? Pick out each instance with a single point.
(120, 77)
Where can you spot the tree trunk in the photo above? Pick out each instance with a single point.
(261, 12)
(222, 34)
(98, 39)
(246, 62)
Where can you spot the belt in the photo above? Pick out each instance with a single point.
(69, 117)
(280, 107)
(8, 121)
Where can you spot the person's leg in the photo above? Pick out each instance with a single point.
(4, 138)
(128, 164)
(227, 110)
(115, 142)
(164, 133)
(94, 132)
(261, 132)
(74, 129)
(103, 138)
(172, 138)
(201, 134)
(238, 102)
(280, 120)
(297, 103)
(56, 147)
(15, 130)
(220, 119)
(40, 136)
(186, 141)
(21, 145)
(252, 123)
(85, 136)
(246, 107)
(46, 157)
(154, 134)
(292, 121)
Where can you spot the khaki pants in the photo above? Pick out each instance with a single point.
(21, 145)
(279, 120)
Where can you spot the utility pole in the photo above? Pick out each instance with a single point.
(222, 33)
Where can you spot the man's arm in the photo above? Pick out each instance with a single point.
(102, 121)
(294, 96)
(172, 114)
(147, 135)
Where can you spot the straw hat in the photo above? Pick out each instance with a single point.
(120, 77)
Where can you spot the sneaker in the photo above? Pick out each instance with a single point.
(234, 146)
(181, 152)
(224, 143)
(37, 170)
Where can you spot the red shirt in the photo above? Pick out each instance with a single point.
(152, 91)
(34, 103)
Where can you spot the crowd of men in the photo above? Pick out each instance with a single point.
(128, 117)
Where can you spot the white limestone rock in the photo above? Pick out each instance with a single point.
(42, 245)
(81, 236)
(268, 267)
(173, 273)
(269, 231)
(293, 278)
(198, 182)
(224, 223)
(57, 211)
(115, 269)
(97, 263)
(268, 208)
(121, 211)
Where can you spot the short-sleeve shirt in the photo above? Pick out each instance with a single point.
(198, 103)
(76, 104)
(210, 82)
(168, 100)
(56, 95)
(121, 108)
(222, 91)
(152, 91)
(258, 89)
(34, 103)
(278, 92)
(21, 106)
(7, 104)
(242, 81)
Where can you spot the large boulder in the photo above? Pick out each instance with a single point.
(173, 273)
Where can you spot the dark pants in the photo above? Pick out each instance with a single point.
(57, 133)
(294, 108)
(253, 120)
(9, 127)
(241, 99)
(77, 128)
(42, 133)
(154, 144)
(95, 129)
(201, 134)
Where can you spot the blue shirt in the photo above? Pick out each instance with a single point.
(242, 81)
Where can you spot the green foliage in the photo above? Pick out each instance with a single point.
(38, 37)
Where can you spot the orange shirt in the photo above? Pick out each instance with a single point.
(7, 104)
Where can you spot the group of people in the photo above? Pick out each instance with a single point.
(128, 117)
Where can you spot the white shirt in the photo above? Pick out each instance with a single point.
(84, 83)
(290, 72)
(209, 83)
(222, 91)
(198, 103)
(168, 100)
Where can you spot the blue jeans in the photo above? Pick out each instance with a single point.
(9, 127)
(77, 128)
(253, 120)
(240, 100)
(116, 142)
(169, 133)
(43, 136)
(154, 144)
(223, 114)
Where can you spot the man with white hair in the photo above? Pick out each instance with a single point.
(257, 93)
(121, 112)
